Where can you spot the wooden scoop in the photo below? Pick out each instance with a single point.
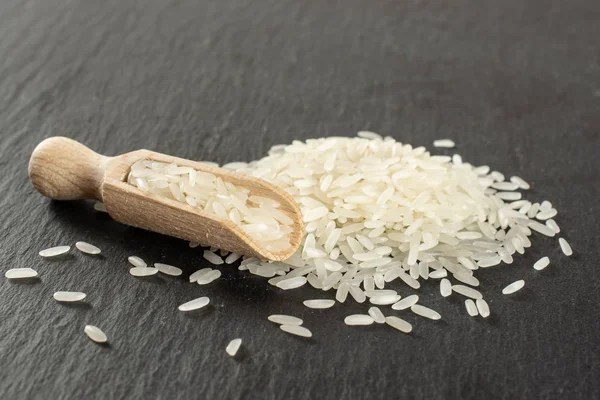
(63, 169)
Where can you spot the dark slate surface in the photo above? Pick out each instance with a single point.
(515, 83)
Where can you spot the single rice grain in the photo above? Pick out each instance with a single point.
(20, 273)
(541, 263)
(55, 251)
(233, 347)
(296, 330)
(283, 319)
(194, 304)
(513, 287)
(445, 287)
(143, 271)
(87, 248)
(319, 303)
(399, 323)
(68, 297)
(483, 308)
(471, 307)
(565, 247)
(444, 143)
(94, 333)
(137, 262)
(358, 319)
(425, 312)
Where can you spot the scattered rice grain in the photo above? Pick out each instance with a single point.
(319, 303)
(94, 333)
(296, 330)
(68, 297)
(87, 248)
(55, 251)
(233, 347)
(513, 287)
(283, 319)
(398, 323)
(194, 304)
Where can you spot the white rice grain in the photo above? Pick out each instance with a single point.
(440, 273)
(545, 215)
(553, 225)
(233, 347)
(296, 330)
(137, 262)
(444, 143)
(489, 261)
(94, 333)
(233, 257)
(380, 292)
(358, 319)
(319, 303)
(283, 319)
(20, 273)
(465, 278)
(398, 323)
(471, 308)
(384, 300)
(68, 297)
(342, 292)
(545, 206)
(212, 257)
(467, 291)
(425, 312)
(543, 229)
(55, 251)
(143, 271)
(445, 287)
(195, 304)
(358, 295)
(483, 307)
(292, 283)
(369, 135)
(513, 287)
(565, 247)
(87, 248)
(541, 263)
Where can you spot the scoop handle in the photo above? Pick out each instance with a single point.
(63, 169)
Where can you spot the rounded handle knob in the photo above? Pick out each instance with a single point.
(63, 169)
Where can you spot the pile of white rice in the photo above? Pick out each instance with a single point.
(376, 211)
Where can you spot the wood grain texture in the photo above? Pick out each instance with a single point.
(131, 206)
(515, 83)
(63, 169)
